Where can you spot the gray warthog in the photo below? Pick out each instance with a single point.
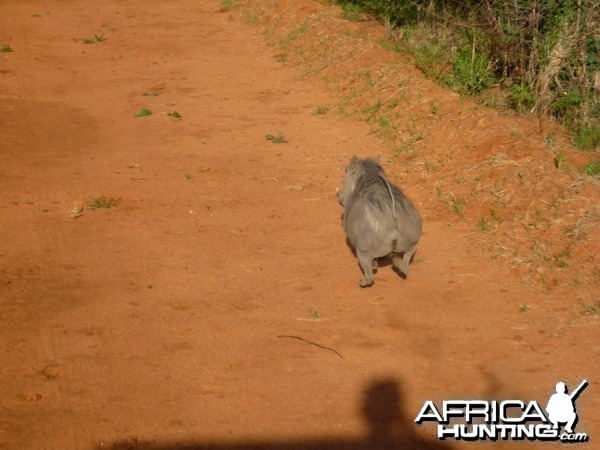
(378, 218)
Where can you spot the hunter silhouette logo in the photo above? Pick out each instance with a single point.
(561, 407)
(472, 420)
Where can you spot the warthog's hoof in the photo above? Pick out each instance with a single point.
(365, 283)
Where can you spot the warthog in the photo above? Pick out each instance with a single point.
(378, 218)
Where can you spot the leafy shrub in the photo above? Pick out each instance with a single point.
(520, 98)
(547, 51)
(587, 138)
(471, 72)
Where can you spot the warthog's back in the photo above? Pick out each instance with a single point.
(371, 225)
(379, 219)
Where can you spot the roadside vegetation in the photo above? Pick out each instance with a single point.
(544, 54)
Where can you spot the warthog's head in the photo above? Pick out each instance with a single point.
(354, 171)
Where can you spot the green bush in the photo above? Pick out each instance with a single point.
(471, 72)
(587, 138)
(592, 169)
(547, 51)
(520, 98)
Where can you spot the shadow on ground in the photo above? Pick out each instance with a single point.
(389, 428)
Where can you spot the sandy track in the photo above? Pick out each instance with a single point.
(156, 322)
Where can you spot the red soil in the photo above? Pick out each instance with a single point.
(174, 317)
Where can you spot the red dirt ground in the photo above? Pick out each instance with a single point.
(184, 316)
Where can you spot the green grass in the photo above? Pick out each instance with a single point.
(250, 18)
(484, 224)
(352, 12)
(390, 46)
(314, 314)
(431, 59)
(6, 48)
(96, 38)
(587, 138)
(321, 110)
(559, 159)
(278, 138)
(228, 5)
(102, 203)
(594, 308)
(520, 98)
(471, 72)
(174, 114)
(458, 206)
(293, 35)
(143, 113)
(592, 169)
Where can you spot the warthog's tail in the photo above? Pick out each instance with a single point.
(389, 188)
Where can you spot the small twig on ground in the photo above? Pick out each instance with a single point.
(312, 343)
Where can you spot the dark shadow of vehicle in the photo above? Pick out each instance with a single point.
(390, 428)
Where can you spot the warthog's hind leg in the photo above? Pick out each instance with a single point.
(402, 263)
(366, 264)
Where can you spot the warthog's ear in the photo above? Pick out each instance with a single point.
(353, 164)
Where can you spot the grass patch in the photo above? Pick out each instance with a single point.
(314, 314)
(321, 110)
(458, 206)
(483, 224)
(352, 12)
(96, 38)
(559, 159)
(520, 98)
(587, 138)
(592, 169)
(143, 113)
(278, 138)
(6, 48)
(293, 35)
(560, 259)
(431, 59)
(594, 308)
(471, 72)
(174, 114)
(102, 203)
(228, 5)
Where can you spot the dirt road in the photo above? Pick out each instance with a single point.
(216, 301)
